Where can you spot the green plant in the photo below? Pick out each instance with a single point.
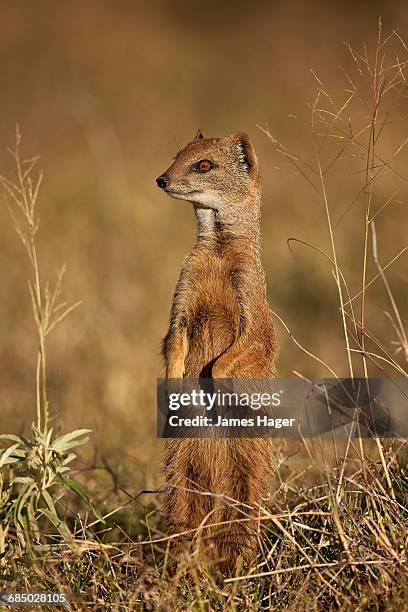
(32, 480)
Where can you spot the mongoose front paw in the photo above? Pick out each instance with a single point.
(220, 370)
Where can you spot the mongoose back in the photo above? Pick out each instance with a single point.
(220, 327)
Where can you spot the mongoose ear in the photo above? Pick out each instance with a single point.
(243, 146)
(199, 135)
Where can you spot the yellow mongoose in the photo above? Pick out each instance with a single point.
(220, 327)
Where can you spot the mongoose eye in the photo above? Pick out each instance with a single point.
(204, 165)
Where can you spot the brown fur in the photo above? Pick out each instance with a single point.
(220, 327)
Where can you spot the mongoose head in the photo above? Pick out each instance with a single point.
(215, 173)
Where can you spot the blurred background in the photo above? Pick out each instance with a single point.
(106, 93)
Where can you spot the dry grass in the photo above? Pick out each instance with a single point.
(336, 523)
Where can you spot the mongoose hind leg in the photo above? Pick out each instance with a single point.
(187, 495)
(237, 539)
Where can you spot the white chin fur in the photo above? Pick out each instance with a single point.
(207, 199)
(177, 195)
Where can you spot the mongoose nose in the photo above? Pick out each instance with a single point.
(162, 181)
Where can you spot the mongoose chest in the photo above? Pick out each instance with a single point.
(212, 311)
